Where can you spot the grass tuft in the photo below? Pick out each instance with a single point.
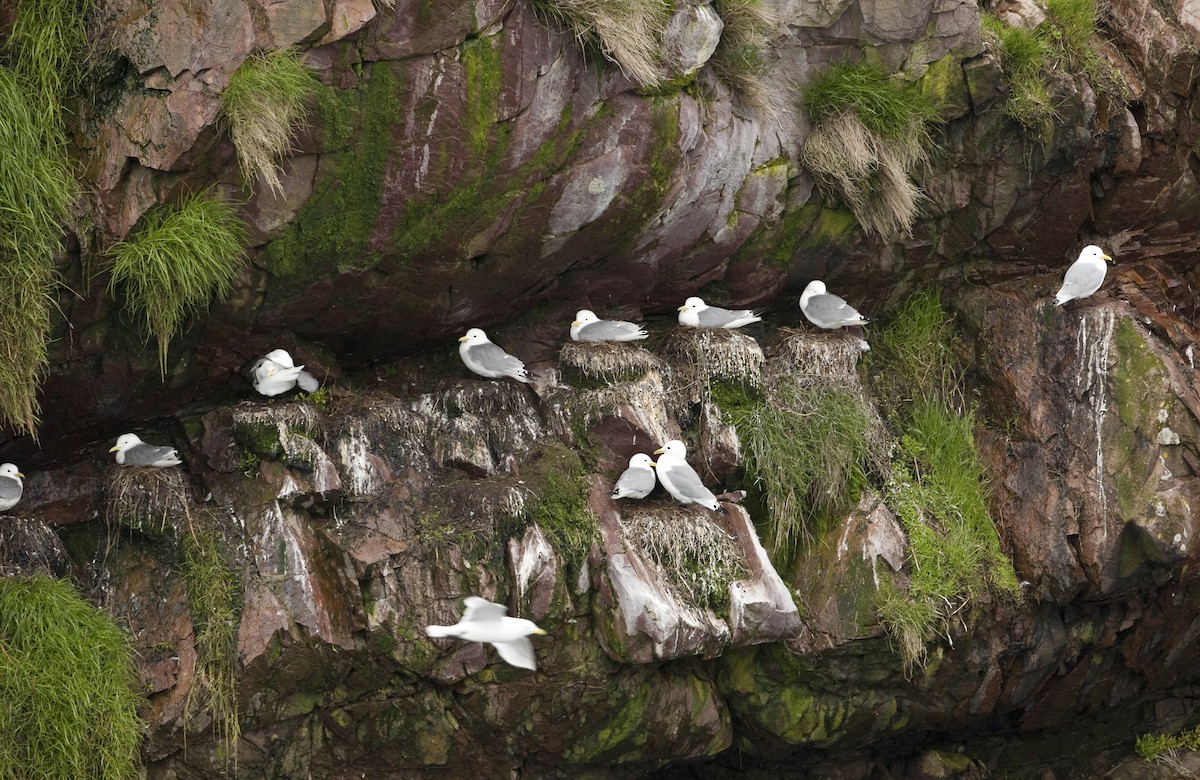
(175, 260)
(212, 598)
(264, 103)
(912, 358)
(739, 59)
(1025, 58)
(48, 40)
(808, 448)
(36, 190)
(1150, 747)
(870, 133)
(67, 706)
(628, 32)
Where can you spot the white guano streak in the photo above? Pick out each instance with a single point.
(1094, 344)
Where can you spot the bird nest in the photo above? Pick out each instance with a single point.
(700, 358)
(610, 362)
(148, 500)
(694, 554)
(824, 357)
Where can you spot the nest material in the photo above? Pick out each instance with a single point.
(699, 357)
(825, 357)
(150, 500)
(610, 362)
(694, 554)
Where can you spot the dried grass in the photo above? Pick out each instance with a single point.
(694, 554)
(628, 32)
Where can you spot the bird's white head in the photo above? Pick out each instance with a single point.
(474, 336)
(674, 448)
(10, 470)
(584, 317)
(692, 304)
(280, 356)
(1093, 252)
(125, 441)
(815, 287)
(641, 460)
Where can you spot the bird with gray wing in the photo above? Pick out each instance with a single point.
(486, 359)
(487, 621)
(695, 313)
(1084, 276)
(680, 479)
(588, 327)
(132, 451)
(826, 310)
(638, 480)
(275, 373)
(11, 486)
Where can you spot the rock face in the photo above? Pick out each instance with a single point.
(478, 167)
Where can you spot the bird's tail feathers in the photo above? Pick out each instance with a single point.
(440, 631)
(308, 383)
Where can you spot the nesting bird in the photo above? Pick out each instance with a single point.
(826, 310)
(132, 451)
(588, 327)
(1084, 276)
(695, 313)
(638, 480)
(680, 479)
(486, 621)
(486, 359)
(275, 373)
(10, 486)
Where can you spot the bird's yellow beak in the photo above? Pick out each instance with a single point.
(652, 463)
(1106, 257)
(659, 451)
(573, 324)
(681, 308)
(19, 474)
(114, 448)
(539, 632)
(462, 338)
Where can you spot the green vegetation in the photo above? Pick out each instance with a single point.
(739, 57)
(870, 133)
(67, 706)
(264, 103)
(808, 450)
(937, 486)
(1063, 44)
(1153, 746)
(559, 506)
(175, 260)
(629, 33)
(46, 53)
(212, 599)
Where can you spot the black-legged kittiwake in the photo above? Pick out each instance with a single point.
(486, 621)
(1084, 276)
(132, 451)
(588, 327)
(695, 313)
(486, 359)
(275, 373)
(10, 486)
(638, 480)
(826, 310)
(680, 479)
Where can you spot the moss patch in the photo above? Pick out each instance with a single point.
(559, 505)
(67, 707)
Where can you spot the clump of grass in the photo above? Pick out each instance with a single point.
(559, 506)
(1024, 57)
(212, 599)
(629, 32)
(912, 358)
(67, 706)
(47, 41)
(870, 133)
(36, 190)
(739, 59)
(265, 101)
(808, 449)
(1153, 746)
(176, 259)
(697, 557)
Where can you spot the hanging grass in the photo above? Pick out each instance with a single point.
(67, 706)
(740, 57)
(628, 32)
(47, 43)
(265, 102)
(175, 260)
(1025, 58)
(213, 600)
(870, 133)
(36, 189)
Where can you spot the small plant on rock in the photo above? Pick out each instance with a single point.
(628, 32)
(175, 260)
(265, 101)
(870, 133)
(739, 59)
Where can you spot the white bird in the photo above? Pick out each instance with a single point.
(695, 313)
(10, 486)
(638, 480)
(680, 479)
(588, 327)
(486, 621)
(275, 373)
(1084, 276)
(826, 310)
(486, 359)
(132, 451)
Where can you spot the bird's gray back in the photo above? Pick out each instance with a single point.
(716, 317)
(607, 330)
(493, 358)
(636, 481)
(1083, 276)
(685, 480)
(10, 489)
(828, 309)
(148, 454)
